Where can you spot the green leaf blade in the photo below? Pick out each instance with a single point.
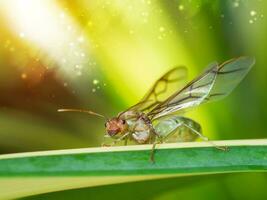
(100, 166)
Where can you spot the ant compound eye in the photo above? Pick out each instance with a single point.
(123, 121)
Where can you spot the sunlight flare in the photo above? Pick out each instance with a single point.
(48, 27)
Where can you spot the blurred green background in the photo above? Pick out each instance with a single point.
(103, 55)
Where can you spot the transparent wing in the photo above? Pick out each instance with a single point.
(173, 79)
(213, 84)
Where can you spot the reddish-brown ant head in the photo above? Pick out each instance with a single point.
(116, 126)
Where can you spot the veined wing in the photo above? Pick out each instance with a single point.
(161, 89)
(213, 84)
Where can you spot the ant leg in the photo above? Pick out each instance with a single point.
(158, 140)
(117, 140)
(126, 141)
(153, 139)
(223, 148)
(152, 153)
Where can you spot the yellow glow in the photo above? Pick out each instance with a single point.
(135, 46)
(48, 27)
(134, 42)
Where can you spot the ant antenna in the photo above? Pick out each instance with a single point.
(83, 111)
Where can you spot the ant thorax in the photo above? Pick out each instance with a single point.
(139, 126)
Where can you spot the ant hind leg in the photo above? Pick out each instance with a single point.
(204, 138)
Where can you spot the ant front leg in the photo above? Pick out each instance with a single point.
(125, 136)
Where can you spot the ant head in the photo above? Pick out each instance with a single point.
(116, 126)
